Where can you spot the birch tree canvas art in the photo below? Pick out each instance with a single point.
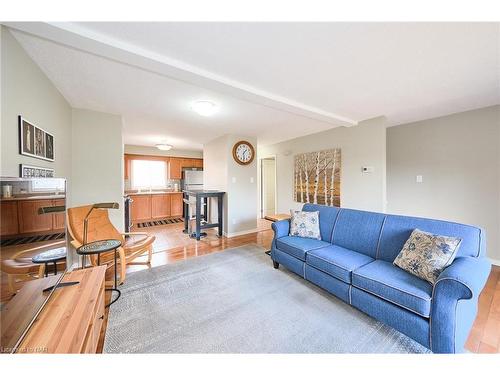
(317, 177)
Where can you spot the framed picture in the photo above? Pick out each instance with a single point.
(28, 171)
(317, 177)
(34, 141)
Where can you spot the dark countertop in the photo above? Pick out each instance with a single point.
(203, 192)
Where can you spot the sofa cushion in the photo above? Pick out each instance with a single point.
(391, 283)
(358, 231)
(299, 246)
(305, 224)
(327, 217)
(397, 229)
(426, 255)
(337, 261)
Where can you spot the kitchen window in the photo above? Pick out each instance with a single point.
(148, 174)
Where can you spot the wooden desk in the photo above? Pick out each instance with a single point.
(71, 320)
(277, 217)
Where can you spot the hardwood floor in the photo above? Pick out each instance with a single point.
(172, 245)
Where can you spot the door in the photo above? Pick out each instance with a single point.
(8, 218)
(140, 208)
(268, 186)
(59, 218)
(160, 206)
(176, 207)
(30, 220)
(175, 169)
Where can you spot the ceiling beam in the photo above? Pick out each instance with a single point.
(83, 39)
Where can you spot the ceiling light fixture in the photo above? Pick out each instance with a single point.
(163, 147)
(204, 108)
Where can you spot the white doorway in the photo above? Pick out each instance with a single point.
(267, 186)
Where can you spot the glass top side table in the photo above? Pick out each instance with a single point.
(50, 256)
(97, 248)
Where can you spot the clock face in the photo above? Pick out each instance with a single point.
(243, 152)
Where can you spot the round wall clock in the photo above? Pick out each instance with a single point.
(243, 152)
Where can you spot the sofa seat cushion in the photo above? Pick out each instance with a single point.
(299, 246)
(391, 283)
(337, 261)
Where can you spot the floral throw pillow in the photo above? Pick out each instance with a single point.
(305, 224)
(426, 255)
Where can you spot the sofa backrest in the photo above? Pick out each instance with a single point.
(327, 218)
(382, 236)
(358, 230)
(397, 229)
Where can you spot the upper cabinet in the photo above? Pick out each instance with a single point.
(175, 168)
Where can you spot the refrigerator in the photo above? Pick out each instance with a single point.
(192, 180)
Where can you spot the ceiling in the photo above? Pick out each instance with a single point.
(273, 81)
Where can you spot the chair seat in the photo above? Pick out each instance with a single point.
(135, 245)
(19, 267)
(395, 285)
(337, 261)
(299, 246)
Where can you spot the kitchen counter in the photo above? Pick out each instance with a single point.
(33, 197)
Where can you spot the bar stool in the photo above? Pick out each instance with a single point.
(191, 207)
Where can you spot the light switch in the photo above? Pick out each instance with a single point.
(251, 180)
(420, 178)
(233, 180)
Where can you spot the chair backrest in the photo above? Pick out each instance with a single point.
(327, 218)
(99, 225)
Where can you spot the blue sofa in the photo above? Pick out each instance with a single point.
(353, 261)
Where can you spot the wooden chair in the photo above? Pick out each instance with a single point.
(101, 228)
(19, 266)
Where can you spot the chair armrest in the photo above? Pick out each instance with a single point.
(471, 273)
(281, 228)
(454, 303)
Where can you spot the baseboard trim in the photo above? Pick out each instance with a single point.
(495, 262)
(241, 233)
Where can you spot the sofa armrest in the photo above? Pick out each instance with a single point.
(281, 228)
(454, 303)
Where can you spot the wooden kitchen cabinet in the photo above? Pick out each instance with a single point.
(160, 206)
(29, 219)
(176, 204)
(175, 168)
(58, 219)
(141, 207)
(9, 218)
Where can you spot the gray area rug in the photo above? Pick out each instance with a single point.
(235, 302)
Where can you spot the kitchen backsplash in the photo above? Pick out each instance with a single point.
(170, 184)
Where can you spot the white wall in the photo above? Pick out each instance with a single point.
(458, 157)
(221, 172)
(144, 150)
(28, 92)
(268, 178)
(97, 161)
(361, 145)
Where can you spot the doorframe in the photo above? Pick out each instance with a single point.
(261, 187)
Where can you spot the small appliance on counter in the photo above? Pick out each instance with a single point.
(6, 191)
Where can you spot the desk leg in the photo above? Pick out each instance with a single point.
(186, 213)
(205, 209)
(219, 214)
(198, 217)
